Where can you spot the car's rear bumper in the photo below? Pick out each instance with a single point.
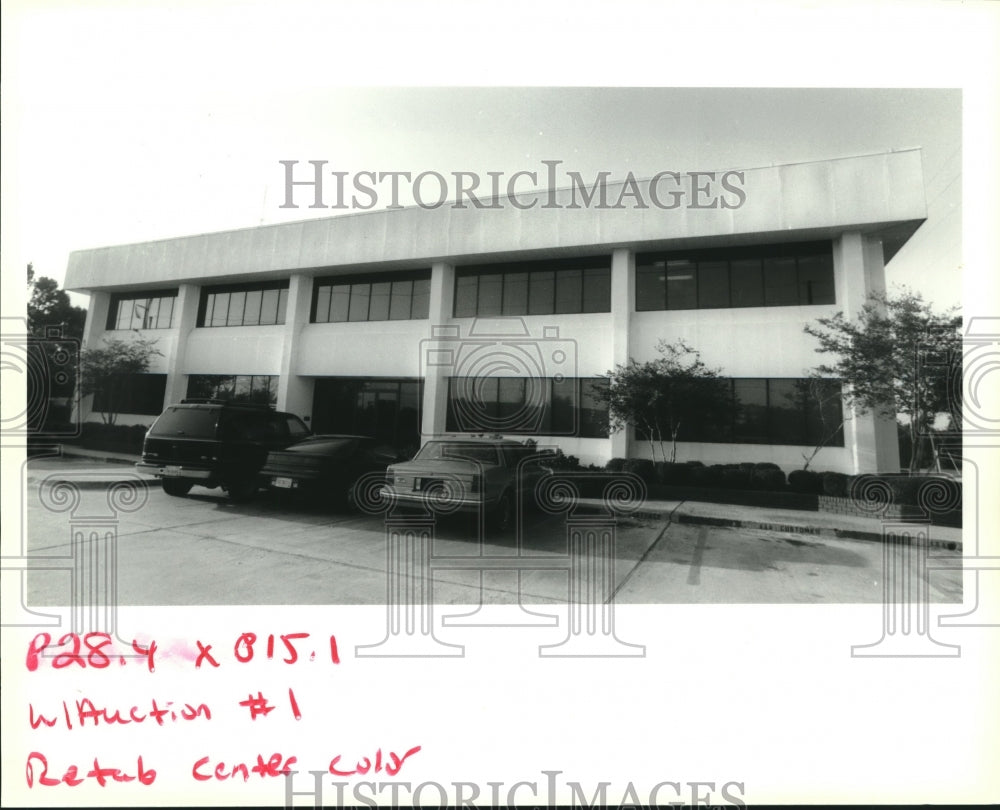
(175, 471)
(411, 498)
(286, 482)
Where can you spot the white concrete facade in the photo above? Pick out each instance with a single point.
(866, 207)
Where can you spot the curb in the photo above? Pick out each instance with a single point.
(839, 534)
(138, 482)
(97, 457)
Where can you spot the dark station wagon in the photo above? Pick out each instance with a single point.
(325, 466)
(215, 443)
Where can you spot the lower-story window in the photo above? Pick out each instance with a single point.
(542, 406)
(132, 393)
(236, 387)
(777, 410)
(387, 409)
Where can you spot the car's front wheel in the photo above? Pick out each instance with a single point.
(178, 487)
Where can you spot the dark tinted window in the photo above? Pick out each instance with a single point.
(153, 310)
(780, 285)
(541, 406)
(515, 294)
(786, 412)
(713, 284)
(534, 288)
(260, 388)
(132, 393)
(386, 409)
(682, 289)
(816, 280)
(190, 423)
(466, 294)
(243, 304)
(360, 300)
(490, 291)
(381, 297)
(770, 275)
(541, 292)
(751, 411)
(569, 291)
(650, 286)
(789, 411)
(747, 283)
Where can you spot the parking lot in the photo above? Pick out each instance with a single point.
(205, 550)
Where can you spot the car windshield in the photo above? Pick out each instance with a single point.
(191, 423)
(486, 453)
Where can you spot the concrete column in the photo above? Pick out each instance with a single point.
(294, 391)
(859, 271)
(434, 413)
(622, 304)
(184, 322)
(886, 434)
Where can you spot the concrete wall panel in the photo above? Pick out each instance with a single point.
(234, 350)
(871, 192)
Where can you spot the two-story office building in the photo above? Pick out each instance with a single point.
(409, 322)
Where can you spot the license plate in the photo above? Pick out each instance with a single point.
(171, 469)
(283, 483)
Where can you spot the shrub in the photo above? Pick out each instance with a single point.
(766, 465)
(945, 494)
(616, 464)
(674, 474)
(806, 481)
(57, 415)
(766, 478)
(905, 489)
(835, 484)
(560, 461)
(114, 438)
(707, 476)
(643, 467)
(736, 476)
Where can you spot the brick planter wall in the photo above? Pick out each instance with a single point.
(846, 506)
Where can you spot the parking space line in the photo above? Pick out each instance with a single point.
(694, 572)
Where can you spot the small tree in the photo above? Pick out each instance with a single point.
(877, 357)
(104, 371)
(663, 396)
(55, 327)
(49, 306)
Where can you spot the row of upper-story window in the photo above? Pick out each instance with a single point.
(793, 274)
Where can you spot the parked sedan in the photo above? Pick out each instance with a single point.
(325, 466)
(471, 474)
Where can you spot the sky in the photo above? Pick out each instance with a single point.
(152, 171)
(133, 123)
